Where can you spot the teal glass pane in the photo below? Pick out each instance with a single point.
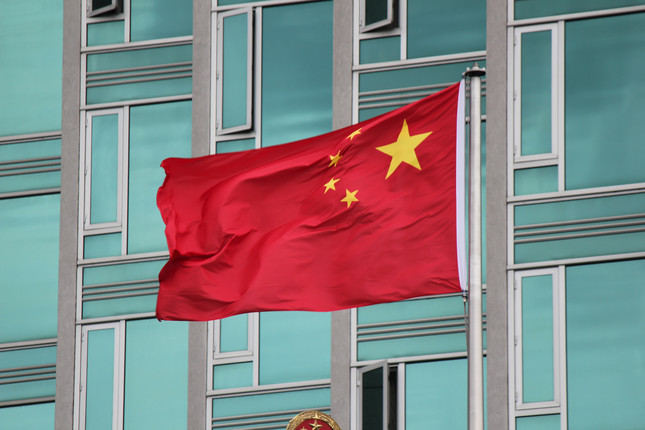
(436, 395)
(604, 107)
(234, 375)
(536, 93)
(105, 33)
(22, 387)
(234, 146)
(536, 180)
(145, 57)
(29, 229)
(156, 365)
(157, 132)
(234, 333)
(537, 338)
(140, 90)
(122, 272)
(152, 19)
(31, 47)
(441, 307)
(102, 245)
(376, 11)
(541, 422)
(296, 71)
(100, 379)
(434, 30)
(235, 73)
(104, 169)
(380, 49)
(28, 417)
(274, 402)
(536, 8)
(230, 2)
(12, 160)
(605, 348)
(298, 341)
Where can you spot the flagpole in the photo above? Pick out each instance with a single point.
(475, 328)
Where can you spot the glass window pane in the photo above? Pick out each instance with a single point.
(29, 229)
(536, 180)
(536, 93)
(372, 399)
(156, 365)
(296, 71)
(105, 33)
(234, 146)
(541, 422)
(29, 417)
(234, 375)
(605, 348)
(445, 27)
(44, 172)
(318, 399)
(102, 245)
(152, 19)
(234, 333)
(156, 132)
(100, 379)
(537, 338)
(104, 169)
(235, 82)
(31, 43)
(380, 49)
(537, 8)
(376, 11)
(283, 338)
(604, 106)
(18, 384)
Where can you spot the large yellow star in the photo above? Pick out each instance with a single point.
(350, 197)
(334, 159)
(331, 185)
(315, 425)
(402, 151)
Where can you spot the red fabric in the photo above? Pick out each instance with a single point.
(256, 231)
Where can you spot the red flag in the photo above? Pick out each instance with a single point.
(362, 215)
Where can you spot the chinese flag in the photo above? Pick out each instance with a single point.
(362, 215)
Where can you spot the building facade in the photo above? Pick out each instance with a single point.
(95, 94)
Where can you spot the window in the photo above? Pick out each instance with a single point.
(102, 7)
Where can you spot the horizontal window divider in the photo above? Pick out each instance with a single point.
(576, 261)
(120, 284)
(615, 226)
(26, 368)
(581, 235)
(225, 358)
(370, 35)
(120, 296)
(31, 137)
(112, 261)
(532, 406)
(587, 193)
(120, 290)
(574, 16)
(582, 221)
(18, 372)
(28, 344)
(407, 335)
(29, 160)
(123, 77)
(21, 379)
(385, 104)
(259, 4)
(267, 427)
(115, 318)
(140, 68)
(133, 46)
(401, 90)
(137, 81)
(25, 402)
(29, 171)
(254, 423)
(415, 328)
(415, 359)
(137, 102)
(234, 137)
(549, 160)
(425, 61)
(534, 412)
(266, 414)
(267, 389)
(415, 321)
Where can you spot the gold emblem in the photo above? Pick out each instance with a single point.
(312, 420)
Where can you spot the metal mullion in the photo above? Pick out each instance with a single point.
(135, 81)
(257, 82)
(110, 76)
(404, 336)
(29, 160)
(25, 369)
(404, 322)
(269, 389)
(608, 225)
(409, 329)
(124, 172)
(139, 45)
(21, 380)
(30, 137)
(120, 290)
(118, 296)
(562, 338)
(582, 221)
(581, 235)
(407, 89)
(29, 171)
(121, 283)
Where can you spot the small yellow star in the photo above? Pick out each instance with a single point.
(402, 151)
(334, 159)
(354, 134)
(331, 185)
(315, 425)
(350, 197)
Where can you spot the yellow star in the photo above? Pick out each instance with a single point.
(331, 185)
(354, 134)
(315, 425)
(350, 197)
(334, 159)
(402, 151)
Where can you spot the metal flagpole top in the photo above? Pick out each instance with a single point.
(474, 71)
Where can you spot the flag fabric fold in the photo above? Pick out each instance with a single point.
(362, 215)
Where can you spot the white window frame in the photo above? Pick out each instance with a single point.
(389, 20)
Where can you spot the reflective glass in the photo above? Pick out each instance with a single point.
(234, 375)
(102, 245)
(104, 169)
(234, 145)
(372, 399)
(380, 49)
(536, 93)
(122, 272)
(157, 132)
(296, 71)
(536, 180)
(29, 230)
(537, 338)
(445, 27)
(105, 33)
(24, 388)
(541, 422)
(156, 365)
(264, 403)
(28, 417)
(297, 341)
(234, 333)
(31, 54)
(99, 392)
(605, 347)
(234, 74)
(537, 8)
(604, 106)
(152, 19)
